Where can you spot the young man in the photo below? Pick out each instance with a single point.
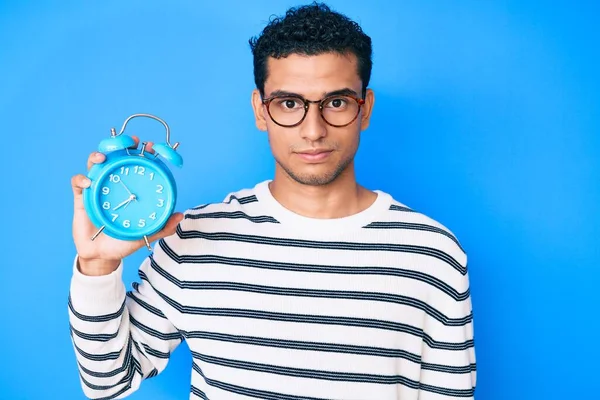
(308, 286)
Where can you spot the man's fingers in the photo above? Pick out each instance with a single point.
(173, 221)
(171, 225)
(149, 148)
(78, 183)
(136, 140)
(169, 228)
(98, 158)
(95, 158)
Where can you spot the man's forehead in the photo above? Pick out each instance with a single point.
(312, 64)
(312, 75)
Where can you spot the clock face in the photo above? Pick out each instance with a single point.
(135, 199)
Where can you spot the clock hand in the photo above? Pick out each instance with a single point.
(132, 197)
(123, 204)
(128, 191)
(126, 202)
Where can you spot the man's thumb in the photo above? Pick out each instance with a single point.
(170, 227)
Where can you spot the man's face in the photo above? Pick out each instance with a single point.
(314, 152)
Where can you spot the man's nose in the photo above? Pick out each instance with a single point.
(313, 127)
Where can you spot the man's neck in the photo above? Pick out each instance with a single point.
(341, 198)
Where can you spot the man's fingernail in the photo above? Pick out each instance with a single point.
(86, 182)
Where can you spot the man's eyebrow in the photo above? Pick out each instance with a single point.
(280, 93)
(342, 92)
(339, 92)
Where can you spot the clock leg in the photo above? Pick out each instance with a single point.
(98, 232)
(147, 243)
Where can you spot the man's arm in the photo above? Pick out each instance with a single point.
(448, 368)
(120, 338)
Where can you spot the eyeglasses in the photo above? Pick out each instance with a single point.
(290, 110)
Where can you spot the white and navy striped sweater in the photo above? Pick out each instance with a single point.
(278, 306)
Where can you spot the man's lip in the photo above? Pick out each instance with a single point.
(313, 152)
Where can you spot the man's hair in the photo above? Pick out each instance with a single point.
(311, 30)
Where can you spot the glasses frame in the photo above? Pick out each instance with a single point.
(307, 103)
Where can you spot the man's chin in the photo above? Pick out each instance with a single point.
(316, 174)
(315, 178)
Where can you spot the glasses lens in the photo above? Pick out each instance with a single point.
(286, 110)
(340, 110)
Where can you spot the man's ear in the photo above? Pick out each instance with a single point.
(367, 109)
(259, 111)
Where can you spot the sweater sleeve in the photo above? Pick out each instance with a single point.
(448, 369)
(120, 338)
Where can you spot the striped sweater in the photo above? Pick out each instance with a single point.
(274, 305)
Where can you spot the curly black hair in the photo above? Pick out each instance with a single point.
(311, 30)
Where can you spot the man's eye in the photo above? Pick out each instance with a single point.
(289, 103)
(337, 102)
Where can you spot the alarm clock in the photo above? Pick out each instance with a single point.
(133, 192)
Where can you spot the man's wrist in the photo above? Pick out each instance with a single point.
(94, 267)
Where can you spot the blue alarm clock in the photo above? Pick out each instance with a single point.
(133, 192)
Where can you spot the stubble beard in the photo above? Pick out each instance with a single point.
(317, 179)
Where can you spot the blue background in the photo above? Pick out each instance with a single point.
(486, 119)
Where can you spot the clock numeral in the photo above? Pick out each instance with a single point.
(139, 170)
(106, 205)
(124, 170)
(114, 217)
(161, 203)
(115, 178)
(152, 216)
(159, 188)
(142, 223)
(126, 223)
(151, 175)
(105, 190)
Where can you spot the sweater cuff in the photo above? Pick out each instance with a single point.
(97, 295)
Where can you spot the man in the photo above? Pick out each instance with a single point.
(308, 286)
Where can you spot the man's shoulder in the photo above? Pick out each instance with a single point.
(238, 205)
(401, 217)
(233, 200)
